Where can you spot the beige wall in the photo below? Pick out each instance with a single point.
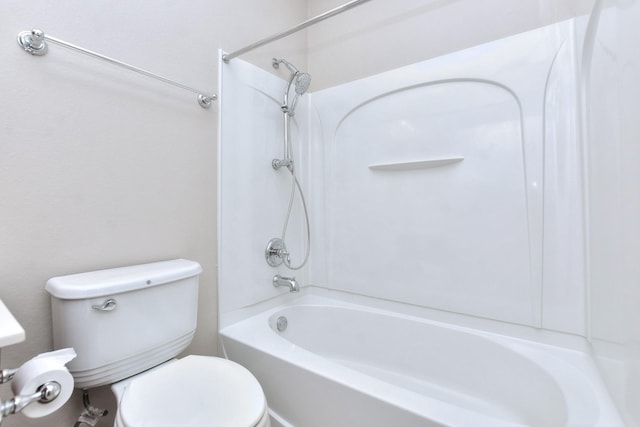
(101, 167)
(382, 35)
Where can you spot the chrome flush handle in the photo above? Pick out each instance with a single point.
(108, 305)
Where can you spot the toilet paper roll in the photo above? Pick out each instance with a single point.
(39, 370)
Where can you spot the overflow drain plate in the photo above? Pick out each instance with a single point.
(281, 323)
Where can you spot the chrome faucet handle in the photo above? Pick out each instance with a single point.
(276, 252)
(108, 305)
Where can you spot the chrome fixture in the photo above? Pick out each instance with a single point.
(282, 163)
(281, 323)
(289, 282)
(276, 252)
(7, 375)
(108, 305)
(46, 393)
(302, 83)
(319, 18)
(90, 415)
(35, 42)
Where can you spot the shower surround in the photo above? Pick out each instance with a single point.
(447, 191)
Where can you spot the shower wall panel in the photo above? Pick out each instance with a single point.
(253, 197)
(452, 184)
(612, 92)
(434, 182)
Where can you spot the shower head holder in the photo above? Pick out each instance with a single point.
(33, 42)
(275, 62)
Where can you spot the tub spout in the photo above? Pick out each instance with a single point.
(289, 282)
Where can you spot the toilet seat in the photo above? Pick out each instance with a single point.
(194, 391)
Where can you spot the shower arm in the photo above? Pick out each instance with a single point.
(34, 42)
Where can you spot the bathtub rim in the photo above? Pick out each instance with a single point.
(311, 294)
(572, 351)
(438, 411)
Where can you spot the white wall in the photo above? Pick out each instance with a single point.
(355, 45)
(612, 93)
(496, 235)
(380, 35)
(101, 167)
(253, 197)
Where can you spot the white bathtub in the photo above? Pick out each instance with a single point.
(344, 364)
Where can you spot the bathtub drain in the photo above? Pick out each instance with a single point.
(281, 323)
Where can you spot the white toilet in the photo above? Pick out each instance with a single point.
(127, 325)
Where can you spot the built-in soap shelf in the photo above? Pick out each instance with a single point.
(419, 164)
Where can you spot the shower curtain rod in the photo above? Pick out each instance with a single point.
(328, 14)
(34, 42)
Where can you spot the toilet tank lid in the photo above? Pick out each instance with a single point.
(123, 279)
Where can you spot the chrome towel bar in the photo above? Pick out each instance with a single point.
(35, 42)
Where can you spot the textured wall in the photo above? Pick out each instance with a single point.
(101, 167)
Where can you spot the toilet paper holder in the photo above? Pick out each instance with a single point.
(46, 393)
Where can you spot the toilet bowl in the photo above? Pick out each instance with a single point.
(127, 325)
(192, 391)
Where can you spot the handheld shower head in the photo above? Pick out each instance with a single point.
(302, 83)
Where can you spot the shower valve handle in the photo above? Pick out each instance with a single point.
(276, 252)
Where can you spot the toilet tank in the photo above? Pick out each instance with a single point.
(123, 321)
